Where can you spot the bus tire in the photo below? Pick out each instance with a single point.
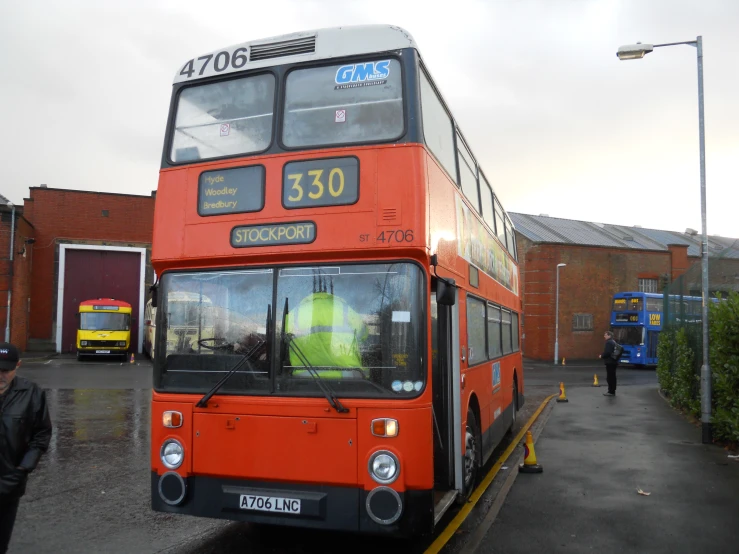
(79, 357)
(471, 458)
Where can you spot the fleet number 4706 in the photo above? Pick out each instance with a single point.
(396, 236)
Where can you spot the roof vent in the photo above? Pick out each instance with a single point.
(628, 237)
(293, 47)
(637, 226)
(42, 186)
(691, 232)
(543, 215)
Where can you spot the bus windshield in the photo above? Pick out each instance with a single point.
(190, 314)
(358, 328)
(632, 336)
(101, 321)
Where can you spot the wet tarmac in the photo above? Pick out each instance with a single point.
(91, 491)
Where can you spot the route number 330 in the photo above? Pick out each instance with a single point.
(317, 187)
(320, 182)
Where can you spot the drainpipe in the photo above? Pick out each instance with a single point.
(10, 279)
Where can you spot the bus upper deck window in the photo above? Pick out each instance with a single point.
(224, 119)
(344, 104)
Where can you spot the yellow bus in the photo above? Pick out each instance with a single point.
(104, 328)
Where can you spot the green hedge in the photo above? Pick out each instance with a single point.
(724, 356)
(678, 369)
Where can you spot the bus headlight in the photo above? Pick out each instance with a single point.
(122, 343)
(172, 453)
(384, 467)
(83, 343)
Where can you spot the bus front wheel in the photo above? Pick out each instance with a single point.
(472, 456)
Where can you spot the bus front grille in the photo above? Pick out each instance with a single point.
(101, 343)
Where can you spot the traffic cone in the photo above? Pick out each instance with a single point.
(133, 360)
(595, 380)
(562, 395)
(529, 464)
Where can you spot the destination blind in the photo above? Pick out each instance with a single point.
(231, 191)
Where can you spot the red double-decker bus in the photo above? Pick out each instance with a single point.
(355, 357)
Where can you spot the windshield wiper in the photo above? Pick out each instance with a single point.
(322, 385)
(246, 359)
(325, 389)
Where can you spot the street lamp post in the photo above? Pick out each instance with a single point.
(10, 257)
(637, 51)
(556, 319)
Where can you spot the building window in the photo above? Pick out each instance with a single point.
(582, 322)
(648, 285)
(105, 213)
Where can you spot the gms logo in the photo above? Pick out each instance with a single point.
(362, 75)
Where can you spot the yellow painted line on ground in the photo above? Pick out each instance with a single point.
(450, 529)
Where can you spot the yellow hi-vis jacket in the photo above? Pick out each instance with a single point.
(327, 331)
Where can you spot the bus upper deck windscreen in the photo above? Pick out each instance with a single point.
(337, 104)
(226, 118)
(343, 104)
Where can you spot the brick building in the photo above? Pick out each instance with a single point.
(601, 260)
(71, 246)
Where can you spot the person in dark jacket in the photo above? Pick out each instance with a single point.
(611, 364)
(25, 432)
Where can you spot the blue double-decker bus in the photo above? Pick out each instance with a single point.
(636, 321)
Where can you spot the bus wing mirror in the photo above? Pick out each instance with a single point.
(446, 292)
(154, 295)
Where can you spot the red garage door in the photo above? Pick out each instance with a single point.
(92, 274)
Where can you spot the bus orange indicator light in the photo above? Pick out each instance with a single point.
(385, 427)
(172, 419)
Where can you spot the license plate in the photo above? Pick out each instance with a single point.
(102, 351)
(269, 504)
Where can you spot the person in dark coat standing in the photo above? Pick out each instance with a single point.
(611, 364)
(25, 432)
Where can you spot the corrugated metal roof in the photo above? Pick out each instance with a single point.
(543, 228)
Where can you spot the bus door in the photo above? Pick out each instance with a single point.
(445, 379)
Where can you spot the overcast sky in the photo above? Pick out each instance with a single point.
(557, 122)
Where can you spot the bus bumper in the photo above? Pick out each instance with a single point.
(109, 351)
(321, 507)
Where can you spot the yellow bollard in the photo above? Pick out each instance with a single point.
(529, 464)
(595, 380)
(562, 395)
(563, 361)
